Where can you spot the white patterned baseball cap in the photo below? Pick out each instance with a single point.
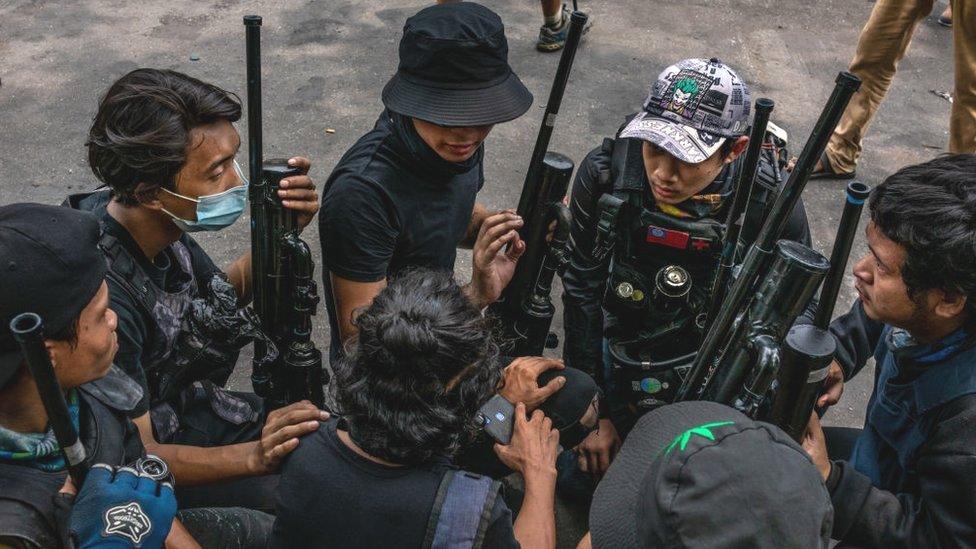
(693, 106)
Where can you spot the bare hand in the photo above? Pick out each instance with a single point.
(520, 382)
(298, 192)
(816, 445)
(493, 267)
(833, 386)
(533, 448)
(281, 431)
(598, 449)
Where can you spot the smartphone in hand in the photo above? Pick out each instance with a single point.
(497, 418)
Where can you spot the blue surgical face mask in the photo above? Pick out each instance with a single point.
(215, 211)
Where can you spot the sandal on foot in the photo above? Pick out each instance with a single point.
(827, 171)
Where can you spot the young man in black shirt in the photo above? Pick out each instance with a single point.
(404, 194)
(423, 364)
(165, 145)
(908, 478)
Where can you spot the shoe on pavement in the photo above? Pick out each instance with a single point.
(554, 39)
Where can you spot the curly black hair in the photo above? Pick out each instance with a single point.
(141, 132)
(930, 210)
(423, 363)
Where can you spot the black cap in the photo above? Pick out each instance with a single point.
(700, 474)
(454, 69)
(567, 406)
(50, 264)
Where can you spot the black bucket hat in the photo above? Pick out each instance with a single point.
(454, 69)
(700, 474)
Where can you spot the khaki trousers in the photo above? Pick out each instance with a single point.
(883, 42)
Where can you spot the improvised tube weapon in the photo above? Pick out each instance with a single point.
(809, 349)
(743, 191)
(752, 359)
(525, 306)
(761, 253)
(285, 295)
(28, 330)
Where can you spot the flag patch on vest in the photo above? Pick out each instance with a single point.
(667, 237)
(701, 244)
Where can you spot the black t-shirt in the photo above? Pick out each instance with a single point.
(330, 496)
(134, 328)
(392, 203)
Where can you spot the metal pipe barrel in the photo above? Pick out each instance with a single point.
(761, 252)
(743, 190)
(28, 331)
(857, 193)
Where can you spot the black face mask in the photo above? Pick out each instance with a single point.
(572, 436)
(424, 158)
(569, 405)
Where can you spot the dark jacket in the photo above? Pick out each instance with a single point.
(585, 277)
(911, 481)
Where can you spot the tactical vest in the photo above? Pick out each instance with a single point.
(27, 499)
(196, 329)
(662, 266)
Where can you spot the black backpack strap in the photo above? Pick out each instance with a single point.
(625, 179)
(461, 512)
(768, 182)
(627, 166)
(27, 504)
(608, 208)
(125, 272)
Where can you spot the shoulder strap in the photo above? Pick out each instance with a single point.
(125, 272)
(768, 182)
(627, 166)
(27, 504)
(461, 512)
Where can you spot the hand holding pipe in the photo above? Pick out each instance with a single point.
(28, 330)
(285, 295)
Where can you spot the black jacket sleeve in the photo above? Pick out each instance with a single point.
(939, 514)
(857, 337)
(585, 276)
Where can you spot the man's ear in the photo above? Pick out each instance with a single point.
(949, 304)
(738, 147)
(52, 352)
